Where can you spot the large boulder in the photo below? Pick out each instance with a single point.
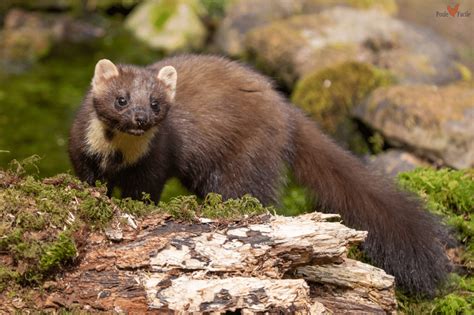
(296, 46)
(168, 25)
(245, 15)
(434, 122)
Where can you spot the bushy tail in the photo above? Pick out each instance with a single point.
(404, 239)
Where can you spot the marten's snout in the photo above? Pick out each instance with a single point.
(140, 118)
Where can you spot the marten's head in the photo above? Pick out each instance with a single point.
(130, 99)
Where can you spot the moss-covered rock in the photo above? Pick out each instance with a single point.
(330, 94)
(435, 122)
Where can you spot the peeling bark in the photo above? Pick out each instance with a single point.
(356, 287)
(268, 264)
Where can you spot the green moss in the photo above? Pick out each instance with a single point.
(98, 210)
(182, 207)
(329, 95)
(34, 258)
(58, 253)
(135, 207)
(456, 297)
(10, 238)
(27, 250)
(7, 275)
(39, 218)
(452, 304)
(213, 207)
(448, 193)
(33, 221)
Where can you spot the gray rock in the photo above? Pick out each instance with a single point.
(168, 25)
(296, 46)
(434, 122)
(395, 161)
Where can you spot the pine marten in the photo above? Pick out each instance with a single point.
(220, 127)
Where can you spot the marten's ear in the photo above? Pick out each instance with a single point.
(104, 70)
(168, 77)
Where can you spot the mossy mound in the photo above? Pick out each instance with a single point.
(44, 224)
(330, 94)
(448, 193)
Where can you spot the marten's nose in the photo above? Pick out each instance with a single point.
(140, 119)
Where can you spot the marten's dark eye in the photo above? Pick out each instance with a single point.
(121, 102)
(155, 105)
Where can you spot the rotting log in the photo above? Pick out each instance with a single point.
(268, 263)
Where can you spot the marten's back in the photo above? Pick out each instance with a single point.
(211, 83)
(225, 108)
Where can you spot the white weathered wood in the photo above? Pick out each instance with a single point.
(268, 264)
(350, 274)
(260, 247)
(357, 286)
(201, 294)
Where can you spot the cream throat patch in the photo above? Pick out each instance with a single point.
(131, 147)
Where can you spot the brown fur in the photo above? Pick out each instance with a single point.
(228, 131)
